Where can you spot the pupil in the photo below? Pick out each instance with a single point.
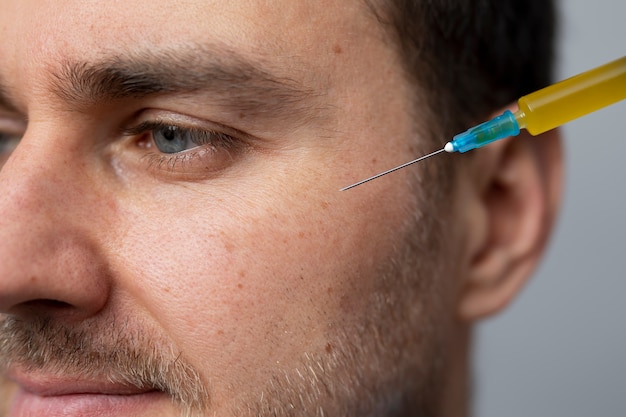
(170, 133)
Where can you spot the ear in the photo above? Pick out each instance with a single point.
(515, 189)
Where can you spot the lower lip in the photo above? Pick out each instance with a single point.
(26, 404)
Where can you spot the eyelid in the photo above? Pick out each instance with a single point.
(183, 122)
(148, 125)
(226, 139)
(224, 146)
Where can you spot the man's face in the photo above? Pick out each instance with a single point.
(172, 237)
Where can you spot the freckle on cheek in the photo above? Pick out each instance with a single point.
(346, 304)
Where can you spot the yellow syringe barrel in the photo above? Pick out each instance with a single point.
(550, 107)
(542, 110)
(574, 97)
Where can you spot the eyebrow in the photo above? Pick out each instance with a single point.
(239, 84)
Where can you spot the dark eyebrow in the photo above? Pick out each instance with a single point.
(238, 83)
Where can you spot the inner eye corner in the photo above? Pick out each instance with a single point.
(144, 142)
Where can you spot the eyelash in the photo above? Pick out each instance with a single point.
(210, 143)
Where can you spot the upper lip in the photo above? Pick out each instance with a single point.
(48, 385)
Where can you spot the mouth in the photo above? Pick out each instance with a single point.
(52, 396)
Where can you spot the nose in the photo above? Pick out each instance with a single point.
(49, 261)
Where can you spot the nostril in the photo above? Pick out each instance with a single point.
(48, 268)
(48, 303)
(50, 306)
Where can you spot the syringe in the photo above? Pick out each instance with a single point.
(542, 110)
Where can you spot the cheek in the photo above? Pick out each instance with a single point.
(254, 281)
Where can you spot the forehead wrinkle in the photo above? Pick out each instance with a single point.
(233, 81)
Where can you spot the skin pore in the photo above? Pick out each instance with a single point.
(231, 278)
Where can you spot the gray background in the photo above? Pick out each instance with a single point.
(560, 348)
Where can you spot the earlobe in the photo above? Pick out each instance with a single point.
(517, 192)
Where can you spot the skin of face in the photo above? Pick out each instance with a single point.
(238, 269)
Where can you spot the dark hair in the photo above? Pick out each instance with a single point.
(471, 57)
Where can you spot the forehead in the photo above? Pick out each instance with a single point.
(43, 32)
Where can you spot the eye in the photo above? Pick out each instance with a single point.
(8, 143)
(192, 152)
(175, 139)
(171, 138)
